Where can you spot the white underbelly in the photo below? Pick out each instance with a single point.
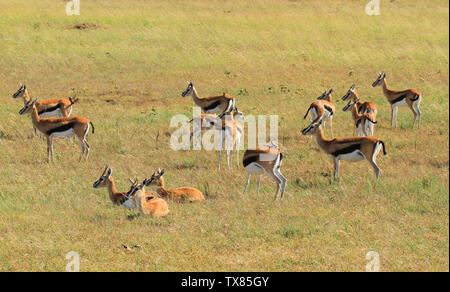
(254, 168)
(213, 110)
(65, 134)
(129, 204)
(352, 156)
(56, 112)
(401, 102)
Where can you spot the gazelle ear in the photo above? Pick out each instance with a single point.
(108, 174)
(384, 75)
(331, 91)
(161, 172)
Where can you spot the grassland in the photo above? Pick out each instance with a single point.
(275, 57)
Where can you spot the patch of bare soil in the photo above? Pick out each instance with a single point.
(85, 25)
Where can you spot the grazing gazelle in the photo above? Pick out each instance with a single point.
(48, 108)
(367, 107)
(259, 161)
(116, 197)
(348, 149)
(182, 194)
(409, 97)
(213, 104)
(323, 105)
(59, 127)
(363, 122)
(145, 202)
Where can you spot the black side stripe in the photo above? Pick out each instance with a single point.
(249, 160)
(50, 109)
(62, 128)
(398, 99)
(329, 109)
(347, 150)
(211, 106)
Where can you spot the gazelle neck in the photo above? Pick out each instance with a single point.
(111, 186)
(195, 96)
(35, 116)
(26, 98)
(355, 113)
(161, 189)
(320, 139)
(385, 87)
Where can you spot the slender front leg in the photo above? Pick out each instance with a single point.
(51, 148)
(392, 116)
(246, 185)
(259, 182)
(48, 149)
(221, 146)
(337, 163)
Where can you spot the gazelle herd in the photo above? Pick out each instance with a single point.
(51, 118)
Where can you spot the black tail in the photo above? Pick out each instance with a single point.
(416, 97)
(373, 122)
(384, 148)
(307, 112)
(92, 126)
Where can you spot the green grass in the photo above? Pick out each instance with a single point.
(275, 57)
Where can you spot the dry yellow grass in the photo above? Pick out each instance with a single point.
(275, 56)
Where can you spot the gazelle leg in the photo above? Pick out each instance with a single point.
(230, 159)
(395, 116)
(51, 148)
(331, 126)
(222, 137)
(392, 116)
(87, 149)
(82, 148)
(419, 113)
(411, 107)
(283, 181)
(259, 182)
(375, 167)
(48, 149)
(248, 182)
(337, 164)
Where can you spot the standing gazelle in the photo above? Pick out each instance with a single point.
(213, 104)
(409, 97)
(349, 149)
(363, 122)
(259, 161)
(231, 134)
(116, 197)
(146, 202)
(48, 108)
(60, 127)
(182, 194)
(323, 106)
(367, 107)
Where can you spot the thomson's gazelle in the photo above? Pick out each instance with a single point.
(48, 108)
(145, 202)
(231, 134)
(259, 161)
(363, 122)
(323, 106)
(213, 104)
(116, 197)
(367, 107)
(183, 194)
(409, 97)
(59, 127)
(348, 149)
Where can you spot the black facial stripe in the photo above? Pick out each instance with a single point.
(212, 106)
(50, 109)
(329, 109)
(398, 99)
(347, 150)
(62, 128)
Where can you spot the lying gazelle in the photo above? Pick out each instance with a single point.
(213, 104)
(367, 107)
(348, 149)
(116, 197)
(363, 122)
(145, 202)
(259, 161)
(48, 108)
(409, 97)
(323, 106)
(179, 194)
(59, 127)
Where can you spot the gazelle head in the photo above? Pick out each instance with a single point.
(20, 92)
(350, 104)
(28, 107)
(134, 188)
(189, 90)
(381, 77)
(102, 182)
(237, 114)
(313, 127)
(325, 94)
(156, 178)
(350, 92)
